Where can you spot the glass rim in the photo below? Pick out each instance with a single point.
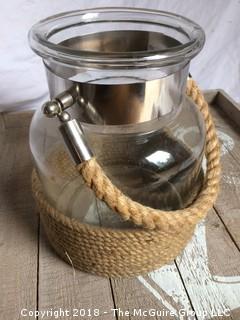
(40, 32)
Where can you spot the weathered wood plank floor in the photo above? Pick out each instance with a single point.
(205, 279)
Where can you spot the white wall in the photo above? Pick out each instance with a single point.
(22, 77)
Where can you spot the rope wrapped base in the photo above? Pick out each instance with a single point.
(116, 253)
(104, 251)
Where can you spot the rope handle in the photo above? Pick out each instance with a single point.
(150, 218)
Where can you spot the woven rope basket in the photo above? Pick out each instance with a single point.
(163, 234)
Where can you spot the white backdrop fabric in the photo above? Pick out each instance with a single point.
(22, 77)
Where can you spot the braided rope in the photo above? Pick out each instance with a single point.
(150, 218)
(115, 252)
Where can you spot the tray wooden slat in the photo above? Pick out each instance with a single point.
(18, 227)
(210, 269)
(228, 203)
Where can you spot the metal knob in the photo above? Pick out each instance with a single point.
(51, 108)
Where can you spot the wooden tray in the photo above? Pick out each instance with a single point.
(204, 279)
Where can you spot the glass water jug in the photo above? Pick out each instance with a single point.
(121, 73)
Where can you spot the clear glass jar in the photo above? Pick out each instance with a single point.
(128, 69)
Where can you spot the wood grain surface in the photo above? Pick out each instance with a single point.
(228, 203)
(203, 282)
(18, 222)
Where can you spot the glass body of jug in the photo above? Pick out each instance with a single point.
(126, 70)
